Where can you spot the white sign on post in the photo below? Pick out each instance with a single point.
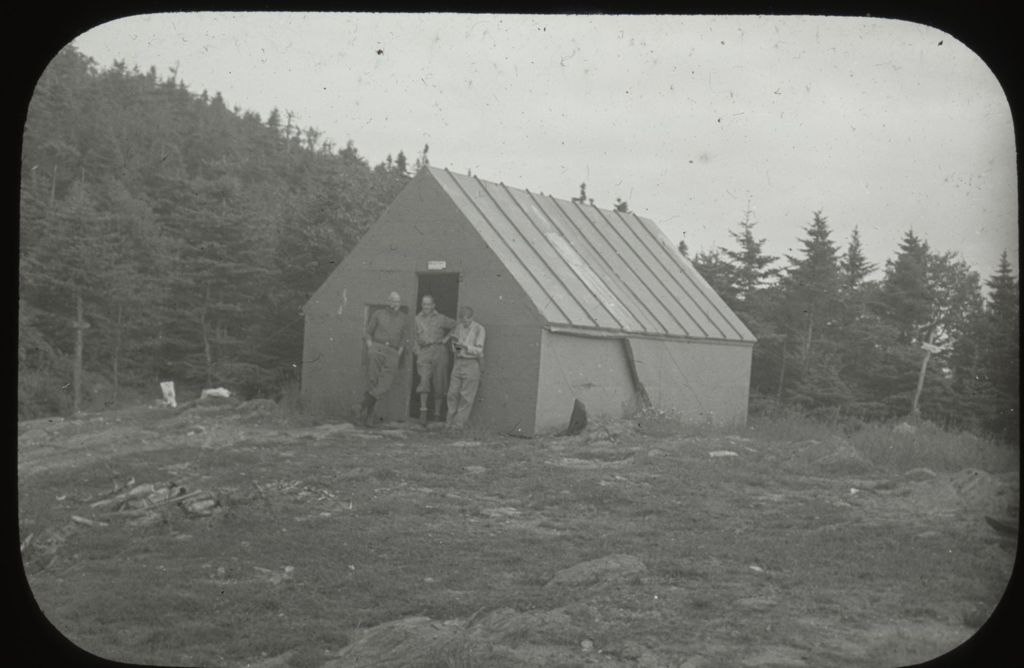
(167, 388)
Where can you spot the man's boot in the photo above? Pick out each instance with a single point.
(371, 401)
(437, 411)
(363, 405)
(423, 410)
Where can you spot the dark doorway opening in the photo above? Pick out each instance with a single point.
(444, 288)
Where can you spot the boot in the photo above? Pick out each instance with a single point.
(371, 401)
(423, 410)
(363, 405)
(437, 411)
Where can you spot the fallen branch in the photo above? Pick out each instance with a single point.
(86, 521)
(141, 511)
(139, 493)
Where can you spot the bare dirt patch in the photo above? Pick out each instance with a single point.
(331, 545)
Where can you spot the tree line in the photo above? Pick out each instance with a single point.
(164, 236)
(836, 343)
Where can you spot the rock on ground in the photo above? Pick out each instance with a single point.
(506, 625)
(412, 641)
(982, 492)
(613, 568)
(845, 459)
(776, 657)
(919, 474)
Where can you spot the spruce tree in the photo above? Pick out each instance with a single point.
(855, 266)
(811, 315)
(905, 294)
(1001, 348)
(719, 273)
(812, 284)
(753, 269)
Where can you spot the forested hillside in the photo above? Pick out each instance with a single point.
(165, 236)
(184, 235)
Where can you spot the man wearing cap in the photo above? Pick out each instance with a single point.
(387, 334)
(431, 355)
(468, 346)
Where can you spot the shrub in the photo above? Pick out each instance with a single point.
(933, 447)
(928, 446)
(653, 421)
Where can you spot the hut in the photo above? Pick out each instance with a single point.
(578, 302)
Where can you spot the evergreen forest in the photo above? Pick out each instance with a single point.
(165, 236)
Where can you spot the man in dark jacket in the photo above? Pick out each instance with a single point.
(387, 334)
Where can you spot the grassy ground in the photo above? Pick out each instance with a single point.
(804, 547)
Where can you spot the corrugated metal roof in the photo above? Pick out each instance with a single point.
(592, 268)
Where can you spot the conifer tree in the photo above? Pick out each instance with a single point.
(68, 269)
(812, 284)
(905, 293)
(719, 273)
(811, 315)
(422, 160)
(854, 264)
(1001, 347)
(752, 268)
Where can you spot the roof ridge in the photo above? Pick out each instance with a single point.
(502, 184)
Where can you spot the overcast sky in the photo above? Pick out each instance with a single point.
(882, 124)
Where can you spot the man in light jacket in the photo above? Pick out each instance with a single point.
(468, 346)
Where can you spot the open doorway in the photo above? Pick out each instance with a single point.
(444, 288)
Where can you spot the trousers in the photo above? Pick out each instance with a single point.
(432, 367)
(382, 366)
(462, 390)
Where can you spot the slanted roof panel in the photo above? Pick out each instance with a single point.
(513, 252)
(602, 255)
(579, 249)
(596, 296)
(700, 292)
(589, 267)
(689, 307)
(672, 319)
(576, 299)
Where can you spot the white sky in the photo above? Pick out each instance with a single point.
(882, 124)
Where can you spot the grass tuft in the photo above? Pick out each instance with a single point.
(661, 422)
(932, 447)
(885, 447)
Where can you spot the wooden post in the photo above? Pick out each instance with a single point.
(117, 352)
(643, 399)
(915, 410)
(810, 333)
(53, 185)
(80, 326)
(782, 371)
(207, 348)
